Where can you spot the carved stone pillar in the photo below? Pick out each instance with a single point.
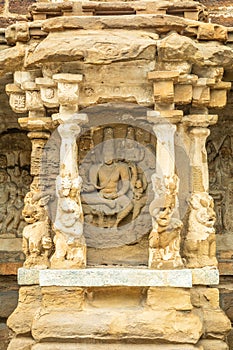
(38, 140)
(37, 236)
(199, 243)
(70, 246)
(164, 239)
(198, 160)
(165, 154)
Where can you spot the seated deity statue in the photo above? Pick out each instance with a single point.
(114, 180)
(107, 190)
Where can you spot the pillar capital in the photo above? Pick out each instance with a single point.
(163, 85)
(199, 120)
(32, 93)
(164, 116)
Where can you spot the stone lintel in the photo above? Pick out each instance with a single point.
(163, 117)
(163, 75)
(202, 120)
(160, 23)
(130, 277)
(68, 78)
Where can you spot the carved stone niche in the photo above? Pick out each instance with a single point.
(220, 161)
(15, 179)
(116, 161)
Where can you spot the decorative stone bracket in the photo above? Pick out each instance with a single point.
(171, 87)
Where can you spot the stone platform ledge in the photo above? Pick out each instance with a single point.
(73, 346)
(130, 277)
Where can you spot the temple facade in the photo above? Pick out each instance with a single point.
(116, 176)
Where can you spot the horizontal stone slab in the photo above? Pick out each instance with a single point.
(112, 325)
(131, 277)
(99, 277)
(75, 346)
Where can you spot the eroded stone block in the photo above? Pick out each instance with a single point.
(213, 344)
(109, 324)
(21, 343)
(169, 298)
(164, 91)
(183, 94)
(55, 298)
(218, 98)
(21, 319)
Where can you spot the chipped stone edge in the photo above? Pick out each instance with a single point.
(27, 277)
(205, 276)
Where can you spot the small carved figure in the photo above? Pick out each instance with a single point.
(4, 197)
(228, 222)
(199, 244)
(211, 153)
(70, 247)
(133, 151)
(37, 241)
(14, 181)
(139, 198)
(164, 239)
(14, 209)
(220, 174)
(224, 164)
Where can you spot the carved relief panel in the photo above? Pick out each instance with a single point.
(15, 179)
(220, 160)
(116, 163)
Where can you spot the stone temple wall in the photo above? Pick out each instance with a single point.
(220, 153)
(220, 11)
